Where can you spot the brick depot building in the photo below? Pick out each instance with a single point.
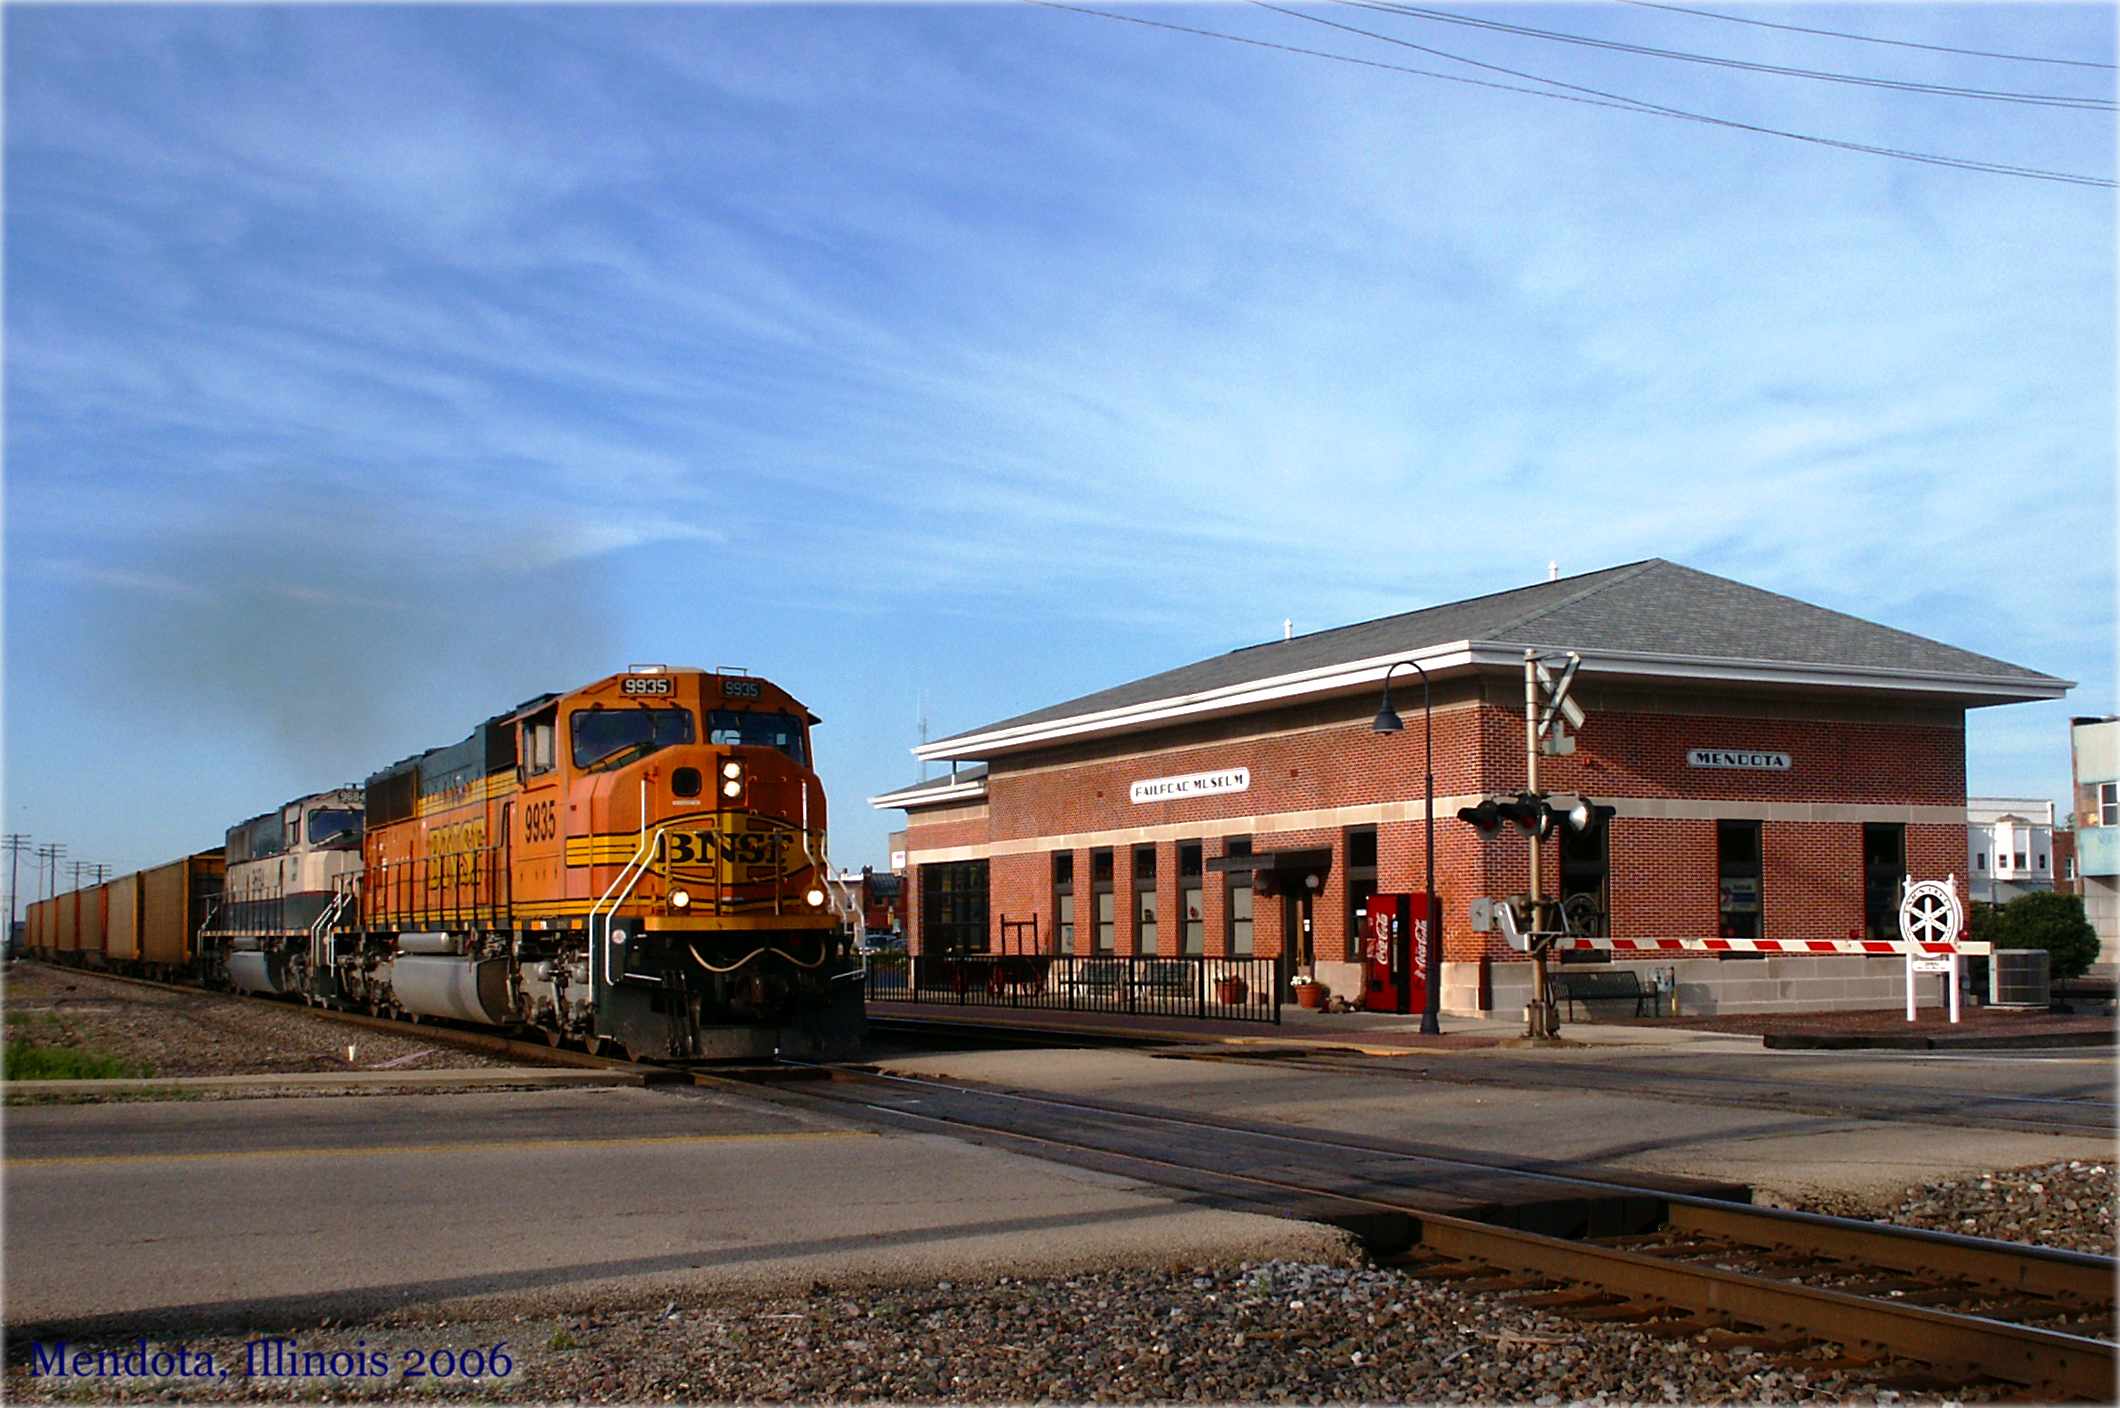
(1776, 769)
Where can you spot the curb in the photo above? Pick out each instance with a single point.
(2055, 1041)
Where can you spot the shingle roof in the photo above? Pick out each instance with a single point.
(1651, 607)
(963, 772)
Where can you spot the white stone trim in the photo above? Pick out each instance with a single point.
(1467, 655)
(1446, 809)
(929, 794)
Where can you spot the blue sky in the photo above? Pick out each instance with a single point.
(369, 370)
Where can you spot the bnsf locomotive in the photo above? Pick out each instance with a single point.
(637, 865)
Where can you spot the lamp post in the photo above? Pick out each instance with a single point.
(1388, 722)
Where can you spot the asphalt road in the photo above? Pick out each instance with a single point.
(1789, 1124)
(127, 1219)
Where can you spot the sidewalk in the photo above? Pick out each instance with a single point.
(1376, 1033)
(1383, 1033)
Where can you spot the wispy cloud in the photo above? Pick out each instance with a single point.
(1066, 347)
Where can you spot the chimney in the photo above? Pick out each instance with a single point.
(1553, 570)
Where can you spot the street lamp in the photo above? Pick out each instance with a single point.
(1388, 722)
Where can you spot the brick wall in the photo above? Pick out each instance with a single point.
(1317, 771)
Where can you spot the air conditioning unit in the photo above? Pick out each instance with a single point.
(2020, 977)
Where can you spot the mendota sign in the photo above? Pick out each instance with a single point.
(1757, 759)
(1193, 784)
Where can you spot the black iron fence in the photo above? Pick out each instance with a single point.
(1227, 989)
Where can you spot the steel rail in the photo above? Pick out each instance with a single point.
(2079, 1365)
(2011, 1265)
(2083, 1278)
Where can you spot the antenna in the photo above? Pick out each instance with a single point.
(923, 733)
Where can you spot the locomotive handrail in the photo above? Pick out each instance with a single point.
(327, 919)
(629, 873)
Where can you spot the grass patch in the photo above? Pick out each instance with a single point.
(23, 1059)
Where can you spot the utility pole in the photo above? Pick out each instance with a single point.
(98, 873)
(1538, 1013)
(49, 854)
(14, 843)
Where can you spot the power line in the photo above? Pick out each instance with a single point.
(1601, 100)
(1337, 58)
(1994, 168)
(2049, 100)
(1866, 38)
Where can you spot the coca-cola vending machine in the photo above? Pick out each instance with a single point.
(1396, 933)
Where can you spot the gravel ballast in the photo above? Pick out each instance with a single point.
(190, 1032)
(1245, 1332)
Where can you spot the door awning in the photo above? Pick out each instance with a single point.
(1316, 861)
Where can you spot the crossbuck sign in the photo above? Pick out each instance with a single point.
(1930, 918)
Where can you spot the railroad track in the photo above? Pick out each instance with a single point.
(1898, 1105)
(1910, 1307)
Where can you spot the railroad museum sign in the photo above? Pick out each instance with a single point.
(1754, 759)
(1192, 784)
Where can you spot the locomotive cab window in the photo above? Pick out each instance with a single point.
(538, 751)
(745, 728)
(608, 737)
(328, 824)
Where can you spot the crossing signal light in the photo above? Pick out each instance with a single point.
(1486, 818)
(1533, 813)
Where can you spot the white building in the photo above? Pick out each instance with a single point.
(2094, 749)
(2009, 844)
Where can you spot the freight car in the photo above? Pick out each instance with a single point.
(636, 865)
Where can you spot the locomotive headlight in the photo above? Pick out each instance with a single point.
(731, 787)
(680, 899)
(816, 899)
(732, 769)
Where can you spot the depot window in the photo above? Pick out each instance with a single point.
(1100, 885)
(1741, 914)
(1064, 900)
(1239, 906)
(1189, 897)
(608, 737)
(1144, 899)
(1884, 871)
(953, 900)
(1361, 880)
(747, 728)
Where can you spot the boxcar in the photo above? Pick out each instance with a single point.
(67, 908)
(121, 920)
(92, 900)
(174, 902)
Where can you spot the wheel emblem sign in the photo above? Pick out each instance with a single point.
(1930, 913)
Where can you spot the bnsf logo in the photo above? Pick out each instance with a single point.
(742, 848)
(647, 684)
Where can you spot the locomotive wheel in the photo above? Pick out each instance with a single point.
(554, 1037)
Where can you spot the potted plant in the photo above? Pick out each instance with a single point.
(1231, 991)
(1309, 991)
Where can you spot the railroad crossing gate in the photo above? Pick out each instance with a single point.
(1930, 923)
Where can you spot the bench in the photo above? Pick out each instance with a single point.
(1574, 985)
